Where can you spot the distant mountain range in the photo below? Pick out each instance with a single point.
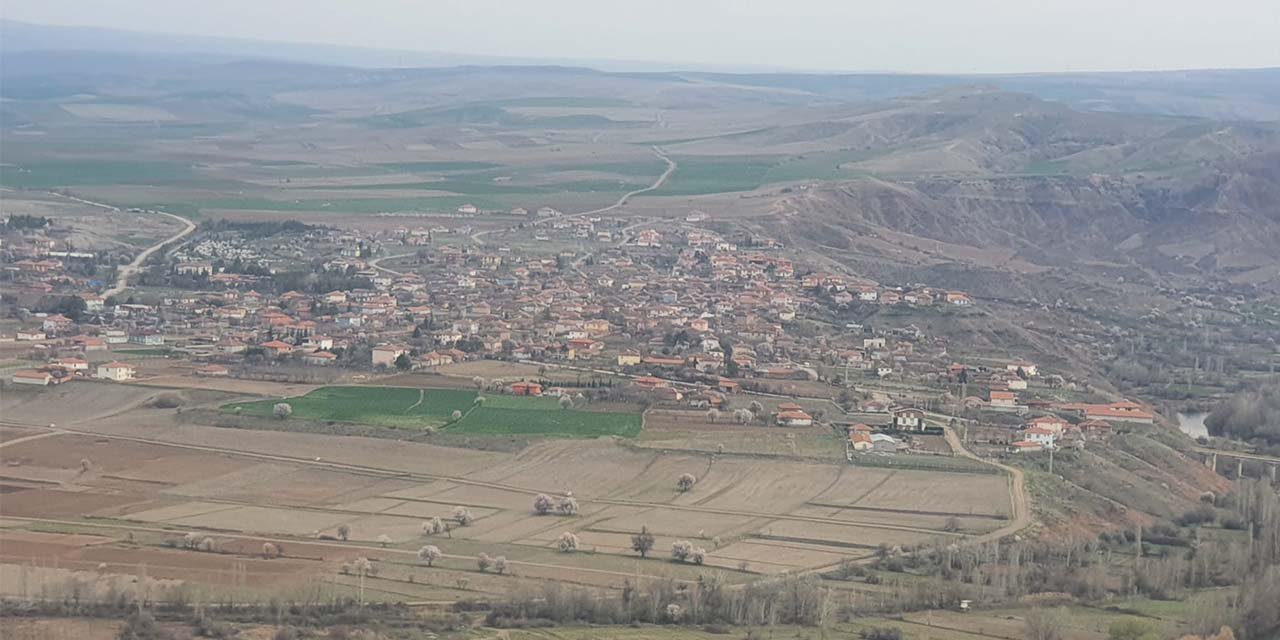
(1249, 94)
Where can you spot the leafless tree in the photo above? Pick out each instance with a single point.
(500, 565)
(642, 542)
(483, 561)
(686, 482)
(344, 532)
(384, 540)
(270, 550)
(429, 554)
(456, 415)
(1041, 624)
(713, 415)
(478, 382)
(282, 410)
(566, 402)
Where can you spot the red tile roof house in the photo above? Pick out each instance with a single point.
(319, 358)
(1116, 411)
(277, 348)
(794, 418)
(1004, 400)
(526, 389)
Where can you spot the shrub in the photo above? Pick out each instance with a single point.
(881, 633)
(141, 625)
(167, 401)
(1201, 514)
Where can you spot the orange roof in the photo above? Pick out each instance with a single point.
(794, 415)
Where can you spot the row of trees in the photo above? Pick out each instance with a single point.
(802, 600)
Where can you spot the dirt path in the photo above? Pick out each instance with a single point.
(422, 395)
(1021, 498)
(622, 201)
(37, 436)
(123, 273)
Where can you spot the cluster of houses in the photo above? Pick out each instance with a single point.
(667, 302)
(60, 370)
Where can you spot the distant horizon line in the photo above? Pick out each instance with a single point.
(497, 60)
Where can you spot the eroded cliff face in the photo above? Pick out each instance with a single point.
(1220, 223)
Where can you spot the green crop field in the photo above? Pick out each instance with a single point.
(403, 407)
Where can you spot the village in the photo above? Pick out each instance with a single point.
(674, 314)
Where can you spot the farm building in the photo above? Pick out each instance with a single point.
(117, 371)
(32, 376)
(883, 443)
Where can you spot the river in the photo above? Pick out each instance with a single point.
(1192, 424)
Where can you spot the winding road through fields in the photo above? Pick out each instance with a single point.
(123, 272)
(622, 200)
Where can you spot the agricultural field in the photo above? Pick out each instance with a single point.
(126, 493)
(404, 407)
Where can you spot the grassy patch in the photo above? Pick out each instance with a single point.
(561, 423)
(403, 407)
(62, 173)
(384, 406)
(716, 174)
(144, 351)
(440, 166)
(924, 463)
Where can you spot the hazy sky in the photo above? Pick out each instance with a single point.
(897, 35)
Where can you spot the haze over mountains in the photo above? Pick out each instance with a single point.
(1164, 177)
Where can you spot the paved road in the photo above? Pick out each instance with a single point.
(123, 273)
(657, 184)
